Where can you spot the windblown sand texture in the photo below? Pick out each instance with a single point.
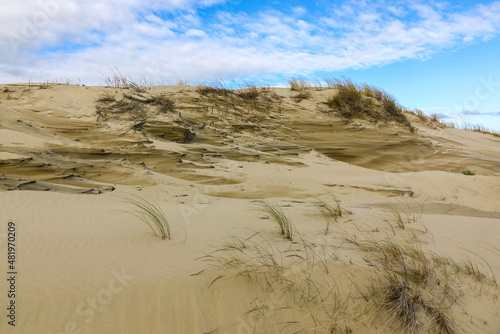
(68, 157)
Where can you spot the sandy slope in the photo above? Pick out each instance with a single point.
(86, 266)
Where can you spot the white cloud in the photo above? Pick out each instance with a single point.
(165, 40)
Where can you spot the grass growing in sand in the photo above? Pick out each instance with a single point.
(409, 285)
(151, 214)
(279, 217)
(116, 79)
(302, 87)
(132, 106)
(355, 100)
(404, 214)
(330, 212)
(469, 127)
(299, 85)
(400, 288)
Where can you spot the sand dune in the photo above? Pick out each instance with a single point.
(86, 266)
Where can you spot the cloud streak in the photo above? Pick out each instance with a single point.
(199, 39)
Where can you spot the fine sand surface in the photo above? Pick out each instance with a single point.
(84, 265)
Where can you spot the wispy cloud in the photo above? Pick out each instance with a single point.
(168, 39)
(477, 113)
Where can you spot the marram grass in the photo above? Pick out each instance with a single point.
(276, 213)
(151, 214)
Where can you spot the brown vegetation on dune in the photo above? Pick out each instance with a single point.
(363, 101)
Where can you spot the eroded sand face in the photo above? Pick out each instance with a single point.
(85, 266)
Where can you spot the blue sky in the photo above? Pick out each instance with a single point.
(439, 56)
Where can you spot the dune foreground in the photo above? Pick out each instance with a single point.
(387, 232)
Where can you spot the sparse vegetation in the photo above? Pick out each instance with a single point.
(468, 172)
(405, 213)
(249, 258)
(470, 127)
(330, 213)
(107, 105)
(479, 128)
(276, 213)
(363, 101)
(116, 79)
(164, 104)
(304, 95)
(302, 87)
(250, 101)
(420, 114)
(151, 214)
(214, 88)
(249, 91)
(181, 82)
(299, 85)
(405, 289)
(133, 107)
(409, 285)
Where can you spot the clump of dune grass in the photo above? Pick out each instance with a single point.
(249, 91)
(136, 107)
(468, 172)
(182, 82)
(299, 85)
(317, 85)
(423, 117)
(302, 87)
(107, 106)
(164, 104)
(330, 212)
(420, 114)
(150, 214)
(435, 118)
(279, 217)
(408, 283)
(250, 101)
(106, 98)
(214, 87)
(304, 95)
(418, 288)
(116, 79)
(355, 100)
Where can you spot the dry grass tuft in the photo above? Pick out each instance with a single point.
(214, 88)
(107, 106)
(116, 79)
(299, 85)
(408, 284)
(469, 127)
(302, 87)
(134, 107)
(354, 100)
(249, 91)
(164, 104)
